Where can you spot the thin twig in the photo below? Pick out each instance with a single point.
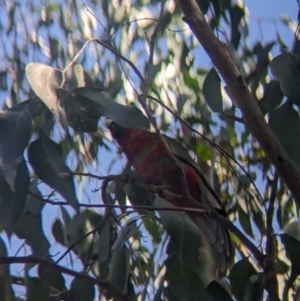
(78, 275)
(271, 279)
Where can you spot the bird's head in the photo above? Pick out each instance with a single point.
(116, 130)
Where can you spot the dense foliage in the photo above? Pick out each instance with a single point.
(74, 213)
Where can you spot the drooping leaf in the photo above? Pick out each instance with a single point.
(272, 97)
(285, 68)
(58, 232)
(75, 230)
(92, 103)
(254, 289)
(46, 158)
(37, 290)
(212, 91)
(239, 276)
(125, 233)
(81, 291)
(119, 268)
(15, 128)
(34, 202)
(82, 78)
(51, 277)
(285, 123)
(244, 219)
(104, 243)
(13, 202)
(184, 283)
(29, 227)
(45, 82)
(293, 230)
(217, 292)
(292, 247)
(195, 251)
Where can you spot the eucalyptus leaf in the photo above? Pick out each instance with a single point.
(46, 158)
(212, 91)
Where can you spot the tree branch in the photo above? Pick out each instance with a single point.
(241, 94)
(83, 276)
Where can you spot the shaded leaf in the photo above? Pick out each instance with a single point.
(29, 227)
(81, 291)
(58, 232)
(286, 70)
(15, 129)
(12, 203)
(212, 91)
(254, 288)
(75, 230)
(196, 253)
(92, 103)
(104, 243)
(184, 283)
(119, 268)
(125, 233)
(51, 277)
(239, 276)
(285, 123)
(37, 290)
(46, 158)
(34, 203)
(216, 292)
(272, 97)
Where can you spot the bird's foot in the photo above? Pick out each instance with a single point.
(159, 190)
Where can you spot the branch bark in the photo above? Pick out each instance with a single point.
(240, 92)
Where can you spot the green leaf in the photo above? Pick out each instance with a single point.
(212, 91)
(254, 290)
(244, 219)
(29, 227)
(184, 283)
(46, 158)
(37, 290)
(285, 123)
(272, 97)
(195, 251)
(34, 203)
(75, 229)
(52, 278)
(125, 233)
(286, 70)
(15, 129)
(292, 247)
(13, 202)
(81, 291)
(293, 230)
(239, 276)
(86, 105)
(104, 243)
(217, 292)
(119, 269)
(82, 78)
(58, 232)
(45, 82)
